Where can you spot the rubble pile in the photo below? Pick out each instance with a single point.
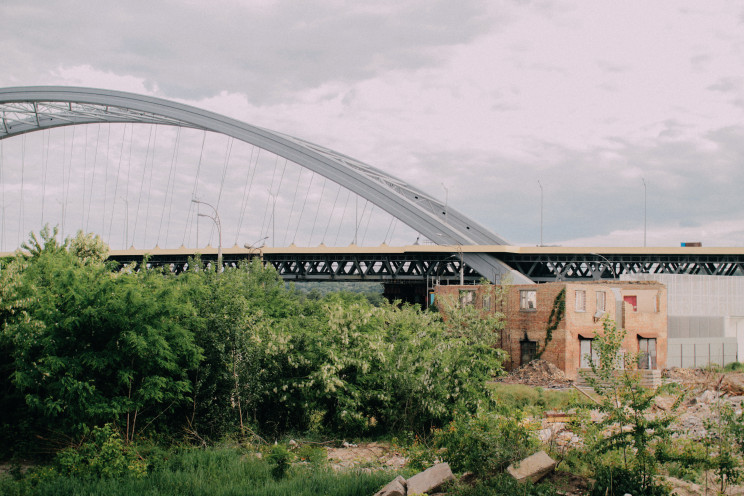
(538, 373)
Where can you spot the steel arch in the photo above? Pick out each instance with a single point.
(28, 109)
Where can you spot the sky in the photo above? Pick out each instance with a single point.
(567, 123)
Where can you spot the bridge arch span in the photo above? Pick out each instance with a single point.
(30, 109)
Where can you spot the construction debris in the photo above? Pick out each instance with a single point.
(538, 373)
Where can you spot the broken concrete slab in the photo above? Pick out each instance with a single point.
(430, 479)
(532, 468)
(396, 487)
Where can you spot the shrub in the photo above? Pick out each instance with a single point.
(104, 455)
(486, 443)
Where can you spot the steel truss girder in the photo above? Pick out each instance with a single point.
(557, 267)
(338, 267)
(28, 109)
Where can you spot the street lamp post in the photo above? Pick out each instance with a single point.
(216, 219)
(609, 264)
(644, 212)
(541, 211)
(252, 246)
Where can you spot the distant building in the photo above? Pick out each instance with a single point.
(638, 307)
(705, 317)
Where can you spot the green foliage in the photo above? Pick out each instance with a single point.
(471, 323)
(626, 428)
(503, 485)
(618, 481)
(554, 320)
(279, 458)
(103, 455)
(92, 347)
(734, 367)
(485, 444)
(533, 400)
(207, 472)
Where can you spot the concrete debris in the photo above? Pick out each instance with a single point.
(430, 479)
(538, 373)
(396, 487)
(532, 468)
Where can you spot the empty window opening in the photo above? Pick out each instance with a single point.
(588, 353)
(467, 297)
(528, 350)
(528, 299)
(646, 353)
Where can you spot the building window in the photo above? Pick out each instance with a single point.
(528, 299)
(580, 300)
(601, 301)
(486, 302)
(528, 351)
(588, 352)
(467, 297)
(632, 300)
(646, 353)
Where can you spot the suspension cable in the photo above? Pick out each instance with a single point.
(343, 215)
(23, 168)
(330, 217)
(167, 186)
(315, 220)
(149, 186)
(248, 187)
(268, 200)
(364, 236)
(66, 187)
(228, 151)
(116, 182)
(189, 215)
(93, 177)
(291, 210)
(299, 221)
(173, 184)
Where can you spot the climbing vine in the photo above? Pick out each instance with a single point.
(556, 315)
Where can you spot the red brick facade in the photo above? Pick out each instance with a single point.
(639, 307)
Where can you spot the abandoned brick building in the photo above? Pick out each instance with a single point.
(638, 307)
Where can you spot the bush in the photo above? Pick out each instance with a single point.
(104, 456)
(485, 444)
(618, 481)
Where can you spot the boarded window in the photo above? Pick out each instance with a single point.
(601, 301)
(528, 299)
(580, 300)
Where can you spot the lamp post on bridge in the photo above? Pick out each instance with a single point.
(609, 264)
(252, 246)
(216, 220)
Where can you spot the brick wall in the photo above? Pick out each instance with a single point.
(563, 350)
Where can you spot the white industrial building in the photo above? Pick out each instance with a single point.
(705, 318)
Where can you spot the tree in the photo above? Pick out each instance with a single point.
(91, 347)
(626, 428)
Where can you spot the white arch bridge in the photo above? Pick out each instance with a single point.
(121, 164)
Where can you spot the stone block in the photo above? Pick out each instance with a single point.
(532, 468)
(396, 487)
(430, 479)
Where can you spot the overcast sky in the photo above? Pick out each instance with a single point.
(481, 99)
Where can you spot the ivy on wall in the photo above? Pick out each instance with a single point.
(556, 315)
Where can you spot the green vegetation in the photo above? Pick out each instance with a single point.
(212, 471)
(123, 381)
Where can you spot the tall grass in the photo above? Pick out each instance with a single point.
(219, 472)
(533, 400)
